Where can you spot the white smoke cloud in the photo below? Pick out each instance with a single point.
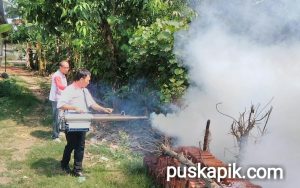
(242, 53)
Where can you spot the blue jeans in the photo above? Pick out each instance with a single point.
(55, 124)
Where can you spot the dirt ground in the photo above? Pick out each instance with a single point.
(32, 80)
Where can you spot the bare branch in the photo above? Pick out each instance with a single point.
(225, 114)
(269, 113)
(242, 127)
(268, 103)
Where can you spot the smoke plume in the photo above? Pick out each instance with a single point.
(241, 53)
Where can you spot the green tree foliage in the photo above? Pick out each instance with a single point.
(150, 56)
(118, 40)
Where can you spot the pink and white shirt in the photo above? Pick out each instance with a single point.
(58, 84)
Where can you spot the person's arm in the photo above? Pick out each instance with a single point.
(69, 107)
(59, 83)
(99, 108)
(91, 103)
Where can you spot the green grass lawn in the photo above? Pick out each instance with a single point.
(29, 158)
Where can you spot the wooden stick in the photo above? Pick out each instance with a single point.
(206, 136)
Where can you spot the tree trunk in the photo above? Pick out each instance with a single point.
(108, 37)
(113, 55)
(2, 21)
(41, 63)
(2, 16)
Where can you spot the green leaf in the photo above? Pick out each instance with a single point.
(164, 35)
(172, 61)
(85, 5)
(167, 49)
(176, 24)
(109, 21)
(178, 71)
(172, 80)
(5, 28)
(84, 31)
(142, 52)
(179, 82)
(161, 68)
(77, 42)
(64, 13)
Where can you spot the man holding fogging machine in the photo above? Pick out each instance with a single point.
(77, 98)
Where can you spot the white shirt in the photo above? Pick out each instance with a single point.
(55, 91)
(77, 97)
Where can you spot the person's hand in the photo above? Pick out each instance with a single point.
(107, 110)
(79, 110)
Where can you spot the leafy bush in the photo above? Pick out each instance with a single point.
(151, 56)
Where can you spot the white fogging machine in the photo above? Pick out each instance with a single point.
(71, 121)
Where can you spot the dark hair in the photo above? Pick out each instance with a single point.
(81, 73)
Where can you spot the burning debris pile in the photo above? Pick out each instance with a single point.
(189, 156)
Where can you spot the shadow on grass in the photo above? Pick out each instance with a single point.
(19, 104)
(47, 166)
(45, 135)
